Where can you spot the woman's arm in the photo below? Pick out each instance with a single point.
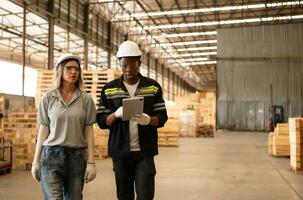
(90, 172)
(89, 134)
(42, 135)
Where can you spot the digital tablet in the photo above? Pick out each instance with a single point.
(131, 107)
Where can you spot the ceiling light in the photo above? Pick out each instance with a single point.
(211, 9)
(187, 60)
(192, 49)
(193, 54)
(185, 43)
(215, 23)
(179, 35)
(202, 63)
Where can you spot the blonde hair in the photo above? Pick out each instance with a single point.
(58, 70)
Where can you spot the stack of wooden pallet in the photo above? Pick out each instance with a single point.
(296, 143)
(94, 80)
(281, 140)
(20, 128)
(45, 82)
(169, 134)
(100, 142)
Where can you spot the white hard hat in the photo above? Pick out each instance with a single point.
(128, 49)
(65, 57)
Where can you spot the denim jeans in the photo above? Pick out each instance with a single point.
(62, 173)
(135, 170)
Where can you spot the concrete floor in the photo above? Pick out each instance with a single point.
(231, 166)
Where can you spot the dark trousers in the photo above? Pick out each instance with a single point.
(137, 171)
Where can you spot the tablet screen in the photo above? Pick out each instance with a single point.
(131, 107)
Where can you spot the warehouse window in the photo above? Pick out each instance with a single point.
(11, 79)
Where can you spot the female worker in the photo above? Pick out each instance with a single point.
(66, 116)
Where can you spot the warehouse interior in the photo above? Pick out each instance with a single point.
(232, 79)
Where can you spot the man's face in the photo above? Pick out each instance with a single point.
(130, 68)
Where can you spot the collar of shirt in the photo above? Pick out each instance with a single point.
(58, 94)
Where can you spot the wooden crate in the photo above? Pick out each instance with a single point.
(282, 129)
(280, 145)
(169, 134)
(296, 143)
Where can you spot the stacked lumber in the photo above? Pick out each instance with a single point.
(100, 142)
(270, 139)
(205, 130)
(93, 79)
(281, 140)
(169, 134)
(296, 143)
(20, 128)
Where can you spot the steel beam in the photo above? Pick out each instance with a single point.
(23, 45)
(86, 35)
(51, 26)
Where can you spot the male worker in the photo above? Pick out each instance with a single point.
(132, 144)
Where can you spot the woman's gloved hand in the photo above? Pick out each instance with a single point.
(36, 171)
(90, 172)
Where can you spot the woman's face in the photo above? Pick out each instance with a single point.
(71, 72)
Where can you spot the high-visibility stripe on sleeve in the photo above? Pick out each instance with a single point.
(159, 104)
(159, 108)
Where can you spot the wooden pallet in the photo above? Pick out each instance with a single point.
(168, 139)
(100, 142)
(20, 127)
(94, 80)
(168, 136)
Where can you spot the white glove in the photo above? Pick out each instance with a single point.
(142, 119)
(36, 171)
(90, 173)
(119, 112)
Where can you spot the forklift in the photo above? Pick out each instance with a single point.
(276, 115)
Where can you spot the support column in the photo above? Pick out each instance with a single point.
(86, 36)
(51, 24)
(174, 76)
(156, 69)
(23, 45)
(168, 83)
(148, 65)
(108, 43)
